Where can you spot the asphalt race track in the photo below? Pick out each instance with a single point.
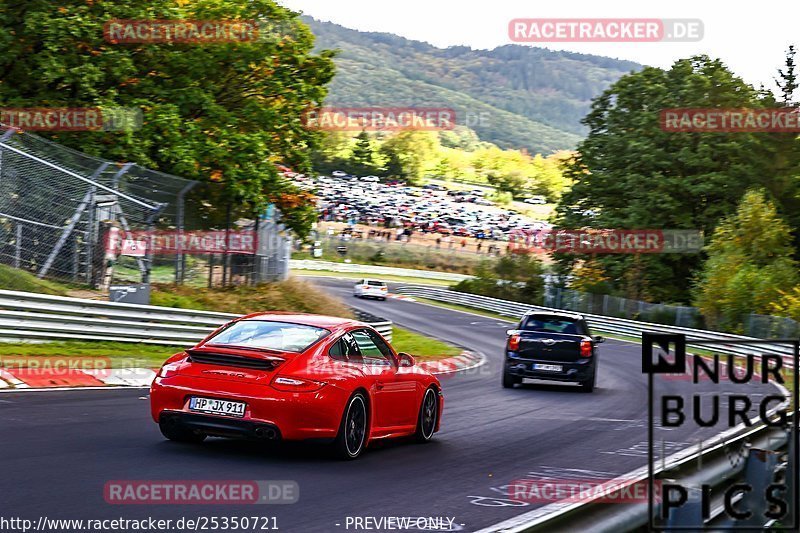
(60, 448)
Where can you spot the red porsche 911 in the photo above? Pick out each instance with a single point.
(272, 376)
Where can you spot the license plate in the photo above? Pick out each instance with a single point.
(549, 368)
(217, 407)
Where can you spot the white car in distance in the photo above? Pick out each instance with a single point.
(370, 288)
(536, 200)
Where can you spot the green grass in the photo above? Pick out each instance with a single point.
(409, 255)
(292, 295)
(131, 273)
(131, 355)
(420, 346)
(121, 354)
(13, 279)
(382, 277)
(465, 309)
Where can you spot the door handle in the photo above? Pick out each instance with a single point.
(379, 386)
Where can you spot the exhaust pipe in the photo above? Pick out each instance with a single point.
(266, 433)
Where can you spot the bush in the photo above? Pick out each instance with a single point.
(516, 277)
(293, 295)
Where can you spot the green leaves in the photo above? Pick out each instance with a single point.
(225, 112)
(632, 174)
(749, 264)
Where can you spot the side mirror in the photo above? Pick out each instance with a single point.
(598, 338)
(406, 360)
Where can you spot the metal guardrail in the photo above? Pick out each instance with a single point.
(26, 316)
(619, 326)
(308, 264)
(716, 471)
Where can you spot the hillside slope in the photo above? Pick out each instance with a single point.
(530, 97)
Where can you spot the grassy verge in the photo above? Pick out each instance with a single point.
(466, 309)
(131, 355)
(120, 354)
(292, 295)
(14, 279)
(410, 255)
(420, 346)
(382, 277)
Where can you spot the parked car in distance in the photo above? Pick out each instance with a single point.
(370, 179)
(339, 174)
(550, 345)
(371, 288)
(535, 200)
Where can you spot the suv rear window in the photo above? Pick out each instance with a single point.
(554, 324)
(375, 283)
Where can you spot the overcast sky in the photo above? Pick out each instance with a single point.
(751, 37)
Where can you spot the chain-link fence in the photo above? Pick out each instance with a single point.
(759, 326)
(604, 304)
(767, 326)
(68, 215)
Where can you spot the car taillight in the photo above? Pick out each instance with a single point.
(513, 343)
(384, 289)
(586, 348)
(296, 384)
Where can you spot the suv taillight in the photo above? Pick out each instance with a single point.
(513, 343)
(586, 348)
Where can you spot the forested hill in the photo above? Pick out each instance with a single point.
(530, 97)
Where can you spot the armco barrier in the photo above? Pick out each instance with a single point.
(307, 264)
(619, 326)
(26, 316)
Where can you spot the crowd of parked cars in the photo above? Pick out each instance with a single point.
(430, 209)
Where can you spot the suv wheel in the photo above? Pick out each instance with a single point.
(509, 381)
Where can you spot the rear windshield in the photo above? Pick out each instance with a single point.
(554, 324)
(266, 335)
(375, 283)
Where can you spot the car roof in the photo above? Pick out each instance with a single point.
(565, 314)
(319, 321)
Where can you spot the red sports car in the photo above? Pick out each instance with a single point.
(273, 376)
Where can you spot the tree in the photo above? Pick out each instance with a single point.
(787, 79)
(363, 158)
(410, 154)
(516, 277)
(749, 264)
(629, 173)
(227, 110)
